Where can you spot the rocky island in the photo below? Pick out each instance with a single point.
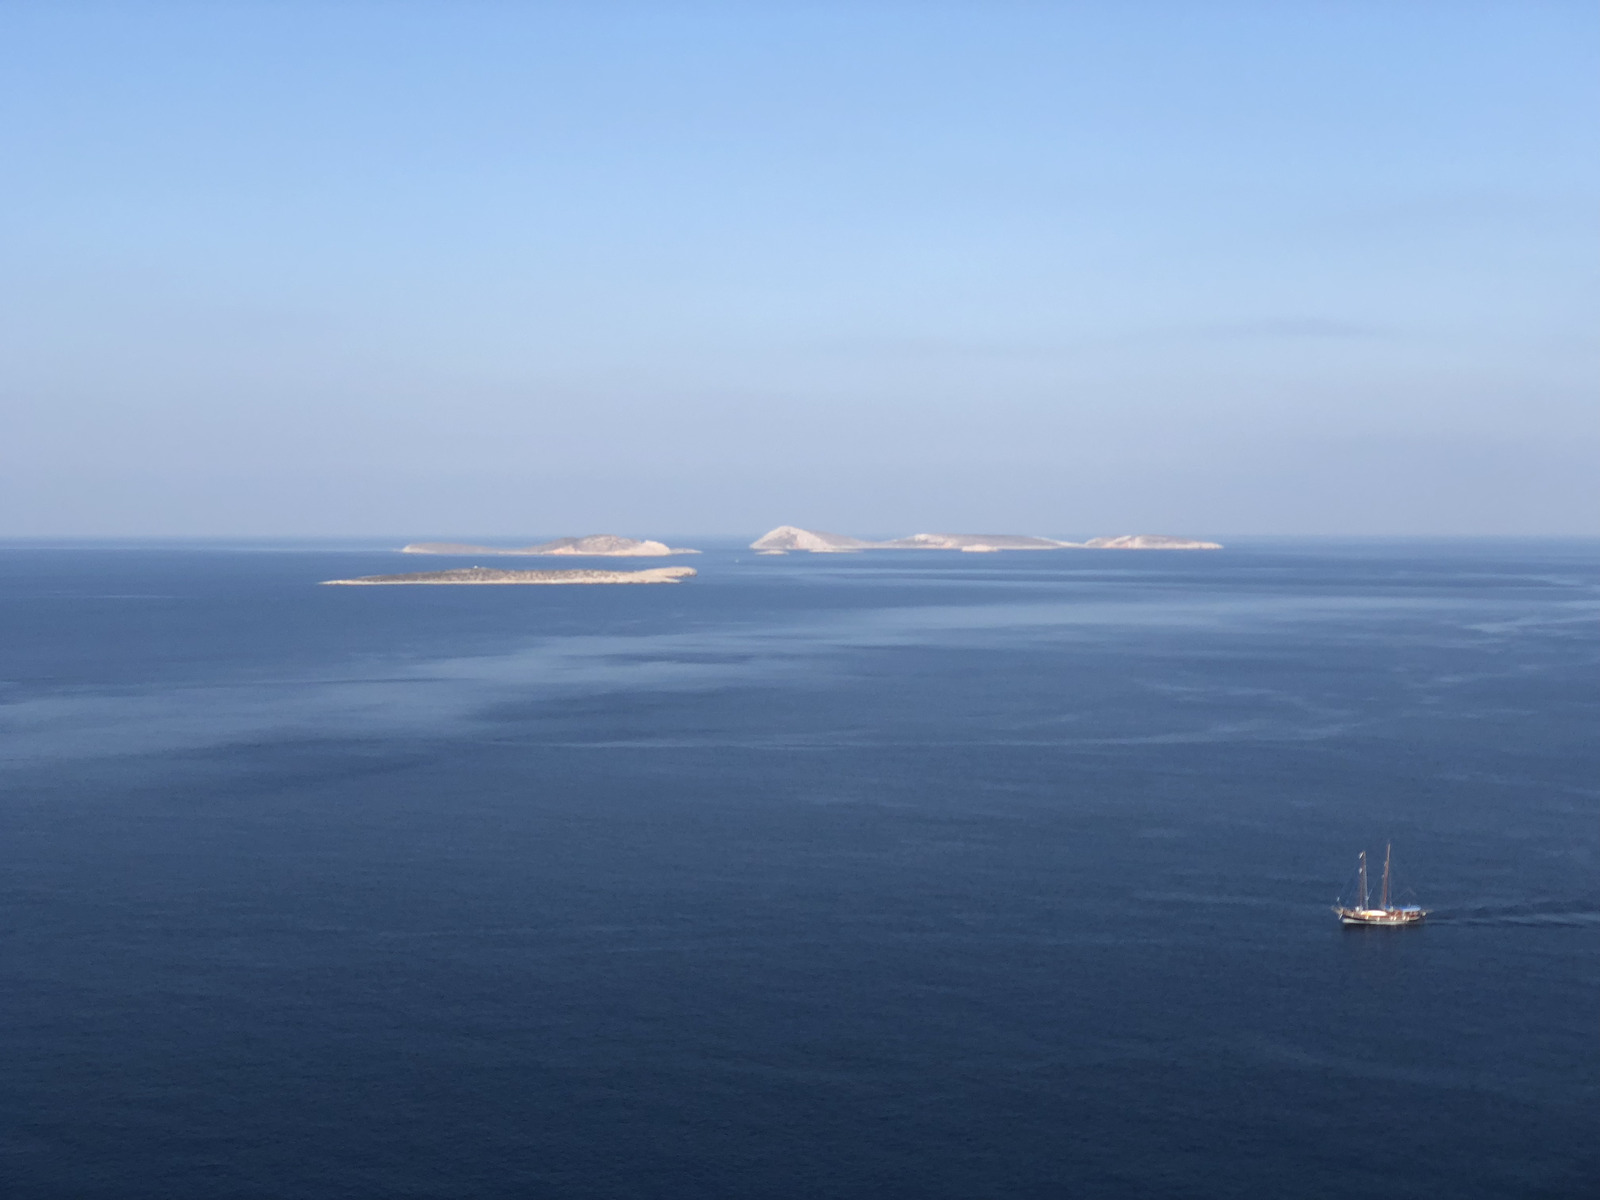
(789, 537)
(594, 545)
(491, 575)
(1148, 541)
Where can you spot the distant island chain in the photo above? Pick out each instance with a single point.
(789, 537)
(782, 540)
(786, 538)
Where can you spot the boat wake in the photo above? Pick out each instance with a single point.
(1559, 913)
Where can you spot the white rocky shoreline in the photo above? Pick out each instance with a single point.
(491, 575)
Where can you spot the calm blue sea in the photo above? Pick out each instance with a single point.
(915, 875)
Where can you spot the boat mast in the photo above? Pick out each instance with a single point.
(1364, 903)
(1387, 848)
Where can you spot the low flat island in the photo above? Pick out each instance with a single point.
(472, 575)
(594, 545)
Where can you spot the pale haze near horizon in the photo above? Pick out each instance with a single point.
(432, 269)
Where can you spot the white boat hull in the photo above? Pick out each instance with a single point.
(1380, 916)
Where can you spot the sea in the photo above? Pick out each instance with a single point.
(911, 875)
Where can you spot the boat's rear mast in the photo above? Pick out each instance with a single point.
(1387, 850)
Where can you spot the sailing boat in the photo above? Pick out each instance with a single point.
(1385, 913)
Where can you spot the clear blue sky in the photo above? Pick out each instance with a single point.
(519, 268)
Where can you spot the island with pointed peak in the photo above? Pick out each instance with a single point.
(594, 545)
(787, 538)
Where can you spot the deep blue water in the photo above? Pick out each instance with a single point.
(907, 875)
